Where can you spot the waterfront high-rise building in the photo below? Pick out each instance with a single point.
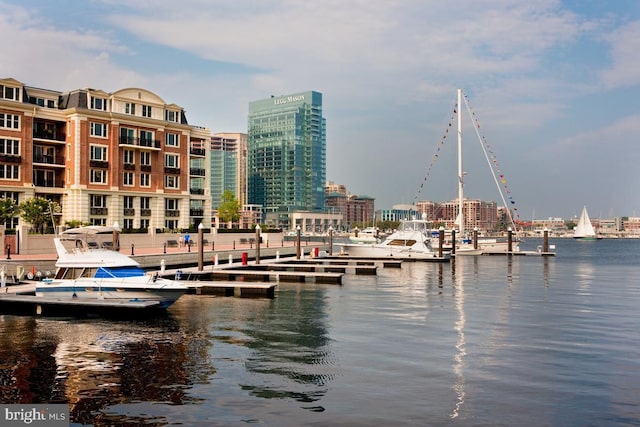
(228, 168)
(286, 146)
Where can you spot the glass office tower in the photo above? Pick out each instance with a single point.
(286, 146)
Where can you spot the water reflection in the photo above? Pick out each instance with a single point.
(459, 385)
(290, 347)
(95, 364)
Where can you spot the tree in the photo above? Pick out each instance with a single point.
(229, 209)
(38, 211)
(8, 210)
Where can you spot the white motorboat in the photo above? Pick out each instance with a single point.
(366, 235)
(87, 268)
(411, 240)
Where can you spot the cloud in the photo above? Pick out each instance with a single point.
(625, 62)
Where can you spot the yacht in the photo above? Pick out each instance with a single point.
(411, 240)
(90, 266)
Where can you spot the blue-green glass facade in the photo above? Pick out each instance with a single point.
(286, 146)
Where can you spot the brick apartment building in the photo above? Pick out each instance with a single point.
(126, 157)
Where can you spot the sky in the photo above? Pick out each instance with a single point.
(554, 85)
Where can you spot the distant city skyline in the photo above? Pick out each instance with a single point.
(555, 83)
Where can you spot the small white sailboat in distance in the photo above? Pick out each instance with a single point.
(584, 230)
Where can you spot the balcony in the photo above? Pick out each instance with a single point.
(129, 212)
(145, 168)
(197, 151)
(197, 172)
(171, 213)
(172, 171)
(139, 142)
(145, 212)
(129, 167)
(98, 211)
(196, 212)
(46, 159)
(49, 135)
(99, 164)
(199, 191)
(48, 183)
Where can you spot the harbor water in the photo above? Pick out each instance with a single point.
(480, 341)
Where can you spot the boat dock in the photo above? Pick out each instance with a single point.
(22, 299)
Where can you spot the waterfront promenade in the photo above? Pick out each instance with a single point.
(152, 258)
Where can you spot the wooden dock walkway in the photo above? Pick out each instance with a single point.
(32, 304)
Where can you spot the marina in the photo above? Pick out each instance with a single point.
(480, 340)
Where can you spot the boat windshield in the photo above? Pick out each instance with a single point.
(421, 226)
(120, 272)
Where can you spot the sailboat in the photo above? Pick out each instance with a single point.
(483, 245)
(584, 230)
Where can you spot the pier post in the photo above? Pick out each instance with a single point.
(475, 237)
(258, 243)
(132, 246)
(200, 247)
(510, 240)
(453, 242)
(441, 241)
(298, 242)
(545, 241)
(8, 251)
(330, 241)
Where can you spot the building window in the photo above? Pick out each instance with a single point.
(128, 179)
(128, 224)
(144, 223)
(145, 158)
(145, 180)
(10, 93)
(98, 129)
(171, 204)
(171, 116)
(98, 176)
(9, 171)
(42, 102)
(172, 160)
(146, 111)
(129, 157)
(171, 224)
(145, 202)
(98, 201)
(128, 202)
(9, 121)
(146, 138)
(98, 103)
(130, 108)
(171, 181)
(98, 152)
(10, 146)
(171, 140)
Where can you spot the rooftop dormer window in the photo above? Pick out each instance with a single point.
(98, 103)
(10, 93)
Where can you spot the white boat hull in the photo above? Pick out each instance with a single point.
(380, 251)
(166, 292)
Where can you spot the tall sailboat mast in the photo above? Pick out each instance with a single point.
(460, 172)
